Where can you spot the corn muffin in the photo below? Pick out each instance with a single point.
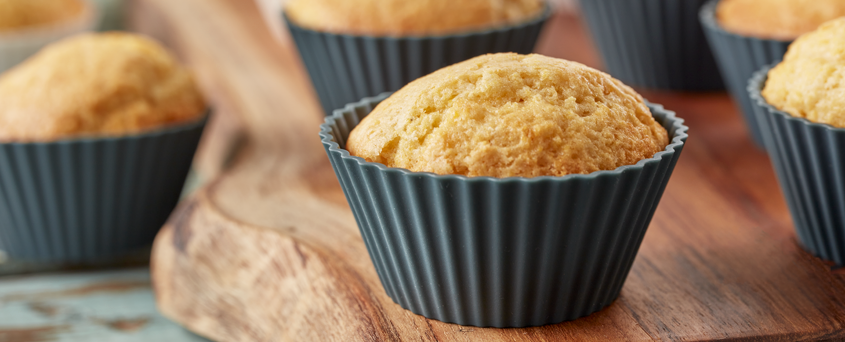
(96, 84)
(20, 14)
(810, 82)
(510, 115)
(776, 19)
(404, 18)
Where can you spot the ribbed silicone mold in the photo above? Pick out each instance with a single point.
(809, 160)
(345, 68)
(112, 13)
(739, 57)
(84, 199)
(510, 252)
(653, 43)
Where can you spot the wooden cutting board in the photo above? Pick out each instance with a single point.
(269, 249)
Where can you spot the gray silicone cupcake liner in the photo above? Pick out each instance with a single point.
(809, 160)
(653, 43)
(345, 68)
(510, 252)
(739, 57)
(85, 199)
(112, 13)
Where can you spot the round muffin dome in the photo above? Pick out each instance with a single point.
(409, 17)
(18, 14)
(510, 115)
(96, 84)
(777, 19)
(810, 82)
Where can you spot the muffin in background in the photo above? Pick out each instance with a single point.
(744, 36)
(653, 43)
(21, 14)
(507, 115)
(409, 18)
(801, 110)
(810, 82)
(363, 48)
(98, 84)
(28, 25)
(97, 133)
(500, 222)
(776, 19)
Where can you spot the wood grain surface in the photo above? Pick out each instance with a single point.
(269, 250)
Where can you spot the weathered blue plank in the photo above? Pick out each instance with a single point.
(96, 306)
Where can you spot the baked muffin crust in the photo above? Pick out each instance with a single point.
(96, 84)
(409, 17)
(510, 115)
(776, 19)
(18, 14)
(810, 82)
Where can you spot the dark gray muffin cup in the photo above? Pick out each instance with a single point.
(809, 160)
(739, 57)
(509, 252)
(346, 68)
(81, 200)
(653, 43)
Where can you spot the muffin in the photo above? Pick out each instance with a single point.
(103, 84)
(409, 18)
(484, 191)
(801, 110)
(96, 170)
(353, 50)
(776, 19)
(746, 35)
(653, 43)
(508, 115)
(28, 25)
(18, 14)
(810, 83)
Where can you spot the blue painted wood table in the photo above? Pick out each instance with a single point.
(110, 305)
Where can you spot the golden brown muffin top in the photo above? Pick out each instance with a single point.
(409, 17)
(776, 19)
(810, 82)
(17, 14)
(96, 84)
(510, 115)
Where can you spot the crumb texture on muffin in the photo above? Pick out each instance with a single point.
(96, 84)
(409, 17)
(810, 82)
(510, 115)
(776, 19)
(17, 14)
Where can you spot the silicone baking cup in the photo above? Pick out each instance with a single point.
(84, 199)
(112, 14)
(739, 57)
(509, 252)
(345, 68)
(653, 43)
(809, 160)
(17, 45)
